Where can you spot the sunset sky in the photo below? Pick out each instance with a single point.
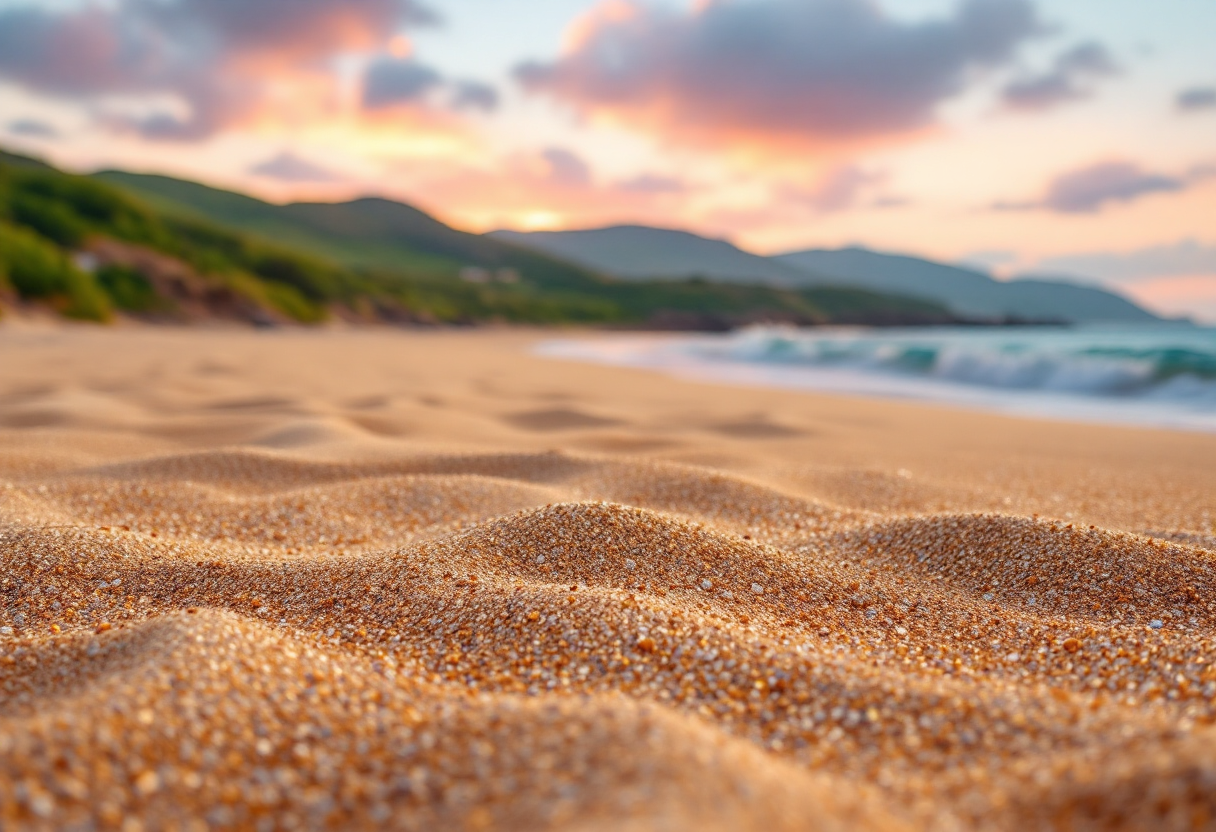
(1069, 137)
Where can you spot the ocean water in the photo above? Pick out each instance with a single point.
(1147, 375)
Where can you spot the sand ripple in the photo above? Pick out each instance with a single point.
(252, 638)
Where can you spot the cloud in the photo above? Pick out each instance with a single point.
(653, 184)
(288, 167)
(474, 95)
(892, 202)
(841, 188)
(32, 128)
(392, 81)
(1069, 79)
(303, 27)
(1090, 189)
(565, 168)
(224, 61)
(800, 72)
(549, 188)
(1196, 98)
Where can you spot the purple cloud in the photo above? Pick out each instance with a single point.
(308, 26)
(390, 81)
(474, 95)
(841, 188)
(807, 70)
(32, 128)
(288, 167)
(566, 168)
(650, 183)
(1090, 189)
(1069, 79)
(217, 56)
(1197, 98)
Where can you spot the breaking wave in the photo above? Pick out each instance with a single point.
(1162, 375)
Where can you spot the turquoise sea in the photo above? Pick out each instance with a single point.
(1161, 375)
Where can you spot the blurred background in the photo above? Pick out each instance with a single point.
(1074, 139)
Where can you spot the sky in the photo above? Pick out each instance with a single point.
(1070, 137)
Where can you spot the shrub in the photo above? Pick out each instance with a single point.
(37, 270)
(293, 304)
(84, 299)
(34, 266)
(130, 290)
(52, 220)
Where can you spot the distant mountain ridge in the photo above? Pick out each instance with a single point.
(967, 291)
(636, 252)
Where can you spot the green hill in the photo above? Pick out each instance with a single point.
(364, 233)
(159, 248)
(382, 234)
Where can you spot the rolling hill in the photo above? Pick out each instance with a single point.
(363, 233)
(636, 253)
(166, 249)
(966, 291)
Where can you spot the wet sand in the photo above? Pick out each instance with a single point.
(374, 579)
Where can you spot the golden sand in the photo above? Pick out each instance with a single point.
(427, 581)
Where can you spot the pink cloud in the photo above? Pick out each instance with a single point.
(840, 189)
(1090, 189)
(795, 73)
(229, 62)
(551, 188)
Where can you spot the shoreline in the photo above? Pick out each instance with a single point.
(688, 357)
(355, 387)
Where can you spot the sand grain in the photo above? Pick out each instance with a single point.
(225, 604)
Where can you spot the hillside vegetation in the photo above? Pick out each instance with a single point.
(92, 247)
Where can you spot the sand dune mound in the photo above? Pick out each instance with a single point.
(1203, 541)
(663, 486)
(1171, 785)
(312, 432)
(21, 508)
(268, 469)
(334, 741)
(69, 407)
(709, 495)
(607, 544)
(1051, 567)
(549, 640)
(358, 514)
(54, 671)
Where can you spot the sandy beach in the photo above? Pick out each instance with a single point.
(427, 580)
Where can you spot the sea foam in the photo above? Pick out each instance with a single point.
(1162, 375)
